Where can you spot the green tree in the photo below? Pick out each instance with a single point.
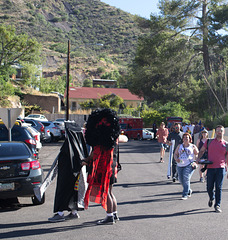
(106, 101)
(113, 75)
(159, 68)
(88, 83)
(202, 19)
(47, 85)
(16, 48)
(150, 116)
(30, 74)
(180, 49)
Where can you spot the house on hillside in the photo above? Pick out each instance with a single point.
(105, 82)
(78, 95)
(19, 72)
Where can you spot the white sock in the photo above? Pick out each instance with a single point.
(74, 212)
(110, 214)
(61, 214)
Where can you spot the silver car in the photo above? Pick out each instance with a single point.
(54, 130)
(61, 126)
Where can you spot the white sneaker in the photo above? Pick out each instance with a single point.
(190, 193)
(184, 198)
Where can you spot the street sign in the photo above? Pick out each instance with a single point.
(9, 116)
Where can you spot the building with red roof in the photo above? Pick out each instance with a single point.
(81, 94)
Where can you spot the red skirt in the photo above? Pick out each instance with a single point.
(99, 179)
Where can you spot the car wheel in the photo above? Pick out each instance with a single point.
(48, 140)
(35, 201)
(52, 138)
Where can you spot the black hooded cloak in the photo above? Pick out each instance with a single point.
(69, 166)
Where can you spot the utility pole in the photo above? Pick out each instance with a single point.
(68, 81)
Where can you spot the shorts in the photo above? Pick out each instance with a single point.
(163, 145)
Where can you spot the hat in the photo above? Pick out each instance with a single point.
(204, 131)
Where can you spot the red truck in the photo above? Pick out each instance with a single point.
(172, 120)
(131, 127)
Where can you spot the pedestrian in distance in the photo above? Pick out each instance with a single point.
(162, 135)
(184, 127)
(185, 156)
(217, 154)
(154, 129)
(203, 136)
(176, 135)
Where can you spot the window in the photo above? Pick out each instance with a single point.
(74, 105)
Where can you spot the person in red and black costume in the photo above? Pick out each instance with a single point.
(102, 132)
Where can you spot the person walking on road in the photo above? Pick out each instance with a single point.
(217, 153)
(154, 129)
(177, 136)
(162, 135)
(102, 133)
(185, 155)
(68, 168)
(203, 136)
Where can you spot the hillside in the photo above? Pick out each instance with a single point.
(84, 23)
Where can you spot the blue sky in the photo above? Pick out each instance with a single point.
(142, 8)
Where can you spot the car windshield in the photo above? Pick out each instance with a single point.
(46, 124)
(123, 126)
(13, 150)
(34, 116)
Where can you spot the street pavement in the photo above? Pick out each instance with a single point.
(149, 205)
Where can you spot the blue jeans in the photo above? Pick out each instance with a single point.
(215, 178)
(184, 175)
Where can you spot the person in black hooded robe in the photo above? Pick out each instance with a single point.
(69, 166)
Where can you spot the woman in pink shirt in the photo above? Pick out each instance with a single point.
(162, 135)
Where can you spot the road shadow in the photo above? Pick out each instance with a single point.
(140, 147)
(43, 227)
(53, 144)
(176, 214)
(144, 184)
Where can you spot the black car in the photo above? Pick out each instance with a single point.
(20, 172)
(21, 134)
(38, 126)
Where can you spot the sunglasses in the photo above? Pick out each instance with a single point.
(219, 130)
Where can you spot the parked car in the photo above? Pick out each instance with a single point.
(36, 135)
(47, 135)
(19, 133)
(54, 130)
(38, 126)
(61, 126)
(60, 120)
(20, 172)
(147, 134)
(38, 117)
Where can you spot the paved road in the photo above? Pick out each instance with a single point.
(149, 205)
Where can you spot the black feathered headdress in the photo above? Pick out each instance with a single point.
(102, 128)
